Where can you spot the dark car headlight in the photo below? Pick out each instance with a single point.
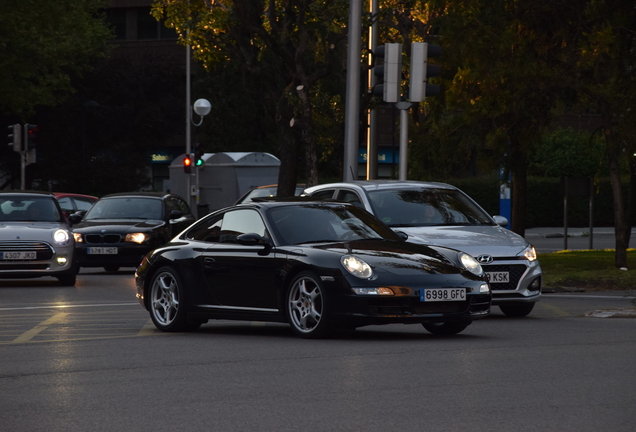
(78, 237)
(137, 237)
(470, 264)
(356, 266)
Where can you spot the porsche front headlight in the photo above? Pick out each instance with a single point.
(470, 264)
(356, 266)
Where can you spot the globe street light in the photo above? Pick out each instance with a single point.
(202, 107)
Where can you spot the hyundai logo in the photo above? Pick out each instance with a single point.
(484, 259)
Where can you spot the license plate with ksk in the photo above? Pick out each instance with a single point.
(18, 255)
(102, 251)
(498, 277)
(443, 294)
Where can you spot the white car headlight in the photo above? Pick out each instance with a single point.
(61, 237)
(136, 237)
(470, 263)
(530, 253)
(356, 266)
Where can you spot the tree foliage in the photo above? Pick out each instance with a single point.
(288, 46)
(42, 45)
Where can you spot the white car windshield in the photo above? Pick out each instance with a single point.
(426, 207)
(28, 208)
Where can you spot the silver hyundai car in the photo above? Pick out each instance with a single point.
(35, 239)
(441, 214)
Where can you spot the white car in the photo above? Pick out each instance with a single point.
(441, 214)
(35, 240)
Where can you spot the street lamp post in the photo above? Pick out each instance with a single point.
(202, 108)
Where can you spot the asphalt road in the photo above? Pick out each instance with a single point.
(88, 359)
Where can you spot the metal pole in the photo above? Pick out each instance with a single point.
(404, 137)
(188, 147)
(352, 109)
(372, 139)
(565, 215)
(591, 216)
(23, 156)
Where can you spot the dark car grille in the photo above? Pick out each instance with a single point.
(515, 271)
(43, 250)
(411, 305)
(103, 238)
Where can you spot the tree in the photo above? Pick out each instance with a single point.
(288, 46)
(506, 64)
(603, 74)
(42, 45)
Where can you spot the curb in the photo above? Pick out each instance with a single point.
(613, 313)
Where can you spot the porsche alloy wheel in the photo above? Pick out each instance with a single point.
(306, 306)
(166, 307)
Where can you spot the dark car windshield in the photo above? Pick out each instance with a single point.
(426, 207)
(126, 208)
(29, 208)
(322, 223)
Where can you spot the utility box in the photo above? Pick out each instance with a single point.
(223, 177)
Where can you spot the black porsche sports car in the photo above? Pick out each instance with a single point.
(315, 265)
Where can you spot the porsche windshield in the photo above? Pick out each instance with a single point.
(314, 223)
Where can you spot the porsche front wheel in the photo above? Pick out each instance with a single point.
(306, 306)
(167, 309)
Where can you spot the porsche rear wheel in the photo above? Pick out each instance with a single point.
(167, 309)
(306, 306)
(447, 328)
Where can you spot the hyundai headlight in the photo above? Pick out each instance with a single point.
(530, 253)
(136, 237)
(356, 266)
(61, 237)
(470, 263)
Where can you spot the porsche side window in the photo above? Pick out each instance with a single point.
(240, 222)
(207, 231)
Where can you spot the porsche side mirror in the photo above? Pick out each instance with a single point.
(253, 239)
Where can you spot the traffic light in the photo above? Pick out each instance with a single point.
(187, 164)
(198, 155)
(389, 73)
(15, 137)
(31, 132)
(421, 71)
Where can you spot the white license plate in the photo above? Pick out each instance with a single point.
(443, 294)
(18, 255)
(498, 277)
(102, 251)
